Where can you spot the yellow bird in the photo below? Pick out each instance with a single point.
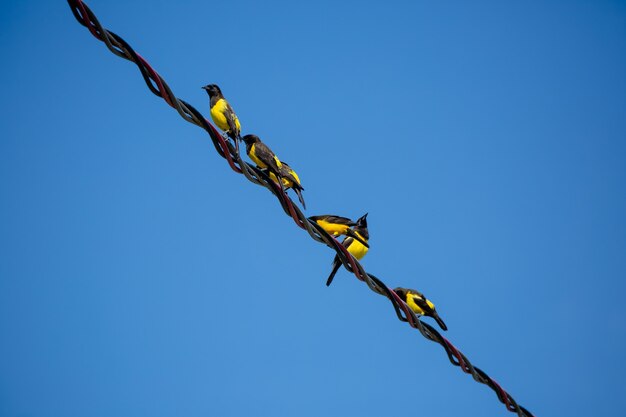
(354, 246)
(290, 180)
(337, 225)
(261, 154)
(419, 304)
(222, 113)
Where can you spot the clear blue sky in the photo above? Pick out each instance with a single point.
(139, 276)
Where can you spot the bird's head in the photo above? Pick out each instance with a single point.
(401, 292)
(250, 139)
(212, 90)
(361, 227)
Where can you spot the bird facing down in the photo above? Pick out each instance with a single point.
(337, 225)
(222, 113)
(290, 180)
(419, 304)
(354, 246)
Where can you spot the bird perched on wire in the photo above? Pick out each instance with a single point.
(263, 157)
(419, 304)
(222, 113)
(261, 154)
(337, 225)
(290, 180)
(355, 247)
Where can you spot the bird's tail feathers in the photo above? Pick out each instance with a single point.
(280, 182)
(336, 265)
(439, 321)
(236, 138)
(298, 191)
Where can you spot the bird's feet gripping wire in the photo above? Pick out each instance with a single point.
(227, 138)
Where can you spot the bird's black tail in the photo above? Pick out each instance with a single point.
(298, 191)
(440, 322)
(336, 265)
(236, 138)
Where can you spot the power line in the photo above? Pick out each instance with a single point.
(159, 87)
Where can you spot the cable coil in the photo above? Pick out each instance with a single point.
(226, 150)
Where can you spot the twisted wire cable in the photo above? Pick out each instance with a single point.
(226, 150)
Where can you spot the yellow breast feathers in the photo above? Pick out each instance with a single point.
(413, 306)
(357, 249)
(219, 112)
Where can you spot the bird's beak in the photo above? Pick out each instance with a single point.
(205, 88)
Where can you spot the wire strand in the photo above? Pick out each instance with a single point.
(226, 150)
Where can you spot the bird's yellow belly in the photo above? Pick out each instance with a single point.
(217, 114)
(413, 306)
(333, 228)
(285, 181)
(252, 155)
(357, 249)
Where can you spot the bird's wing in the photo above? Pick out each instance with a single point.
(330, 218)
(420, 300)
(231, 119)
(340, 220)
(265, 154)
(290, 174)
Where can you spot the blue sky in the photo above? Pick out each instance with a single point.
(139, 276)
